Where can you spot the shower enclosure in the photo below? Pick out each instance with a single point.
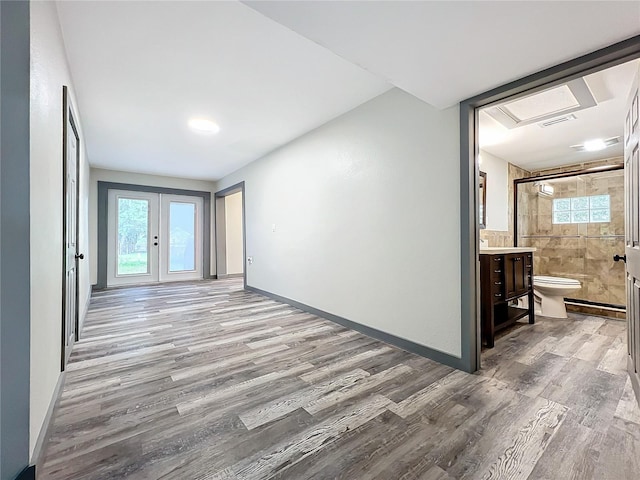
(576, 223)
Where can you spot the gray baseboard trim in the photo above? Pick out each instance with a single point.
(230, 275)
(399, 342)
(85, 310)
(45, 430)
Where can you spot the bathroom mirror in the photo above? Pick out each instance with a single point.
(482, 196)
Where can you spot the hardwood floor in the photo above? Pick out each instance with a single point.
(206, 381)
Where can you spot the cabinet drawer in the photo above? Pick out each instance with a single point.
(497, 285)
(497, 295)
(528, 262)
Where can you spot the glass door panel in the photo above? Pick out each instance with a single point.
(133, 219)
(133, 236)
(182, 237)
(181, 230)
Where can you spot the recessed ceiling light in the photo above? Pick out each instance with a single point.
(203, 125)
(594, 145)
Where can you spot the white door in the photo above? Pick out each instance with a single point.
(632, 236)
(153, 238)
(70, 240)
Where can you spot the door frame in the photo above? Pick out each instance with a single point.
(469, 232)
(69, 118)
(220, 237)
(103, 212)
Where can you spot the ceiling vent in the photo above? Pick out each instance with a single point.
(545, 105)
(607, 143)
(557, 120)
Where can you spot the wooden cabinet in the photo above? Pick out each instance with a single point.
(504, 278)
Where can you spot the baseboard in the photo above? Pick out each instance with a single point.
(399, 342)
(45, 429)
(28, 473)
(83, 315)
(635, 379)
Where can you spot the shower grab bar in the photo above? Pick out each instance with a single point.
(550, 236)
(571, 236)
(604, 236)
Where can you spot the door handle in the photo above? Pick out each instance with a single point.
(80, 256)
(617, 258)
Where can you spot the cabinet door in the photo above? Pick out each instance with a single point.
(516, 278)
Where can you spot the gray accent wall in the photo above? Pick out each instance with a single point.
(14, 238)
(103, 215)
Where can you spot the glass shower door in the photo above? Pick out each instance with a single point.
(577, 230)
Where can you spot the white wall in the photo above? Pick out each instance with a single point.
(102, 175)
(233, 229)
(49, 72)
(497, 171)
(367, 214)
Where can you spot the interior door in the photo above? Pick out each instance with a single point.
(133, 231)
(181, 234)
(632, 231)
(70, 233)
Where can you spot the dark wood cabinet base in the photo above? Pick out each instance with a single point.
(504, 278)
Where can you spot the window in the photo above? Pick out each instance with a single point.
(593, 209)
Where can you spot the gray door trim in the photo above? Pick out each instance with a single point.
(103, 212)
(469, 238)
(15, 234)
(238, 187)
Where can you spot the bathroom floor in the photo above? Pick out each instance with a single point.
(580, 363)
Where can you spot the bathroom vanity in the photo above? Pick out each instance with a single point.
(506, 275)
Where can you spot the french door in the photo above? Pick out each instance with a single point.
(153, 237)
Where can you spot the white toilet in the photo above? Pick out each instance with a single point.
(549, 294)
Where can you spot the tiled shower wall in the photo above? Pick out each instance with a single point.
(582, 251)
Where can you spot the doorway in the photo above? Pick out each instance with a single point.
(158, 265)
(230, 233)
(469, 120)
(154, 237)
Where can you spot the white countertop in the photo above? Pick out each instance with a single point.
(500, 250)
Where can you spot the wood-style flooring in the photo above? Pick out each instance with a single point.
(203, 380)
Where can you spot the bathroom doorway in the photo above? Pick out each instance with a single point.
(572, 84)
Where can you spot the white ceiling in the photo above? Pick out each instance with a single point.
(534, 148)
(262, 71)
(142, 69)
(444, 52)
